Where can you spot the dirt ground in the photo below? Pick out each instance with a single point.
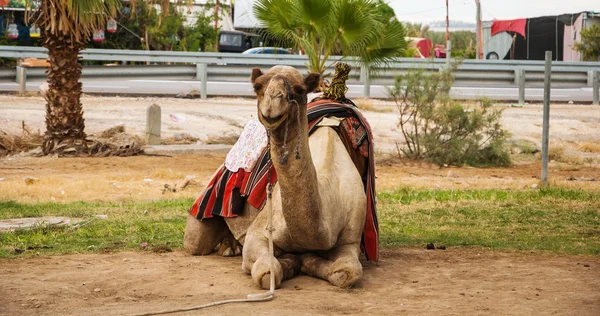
(405, 281)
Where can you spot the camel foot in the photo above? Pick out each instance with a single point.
(261, 273)
(290, 265)
(342, 279)
(346, 276)
(229, 247)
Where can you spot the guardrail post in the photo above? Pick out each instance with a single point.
(590, 81)
(596, 88)
(22, 79)
(520, 80)
(202, 75)
(366, 81)
(18, 74)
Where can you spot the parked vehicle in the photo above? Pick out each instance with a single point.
(237, 41)
(268, 50)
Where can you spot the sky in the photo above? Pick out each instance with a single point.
(421, 11)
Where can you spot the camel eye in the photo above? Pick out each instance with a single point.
(299, 89)
(257, 87)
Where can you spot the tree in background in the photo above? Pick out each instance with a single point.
(416, 30)
(463, 42)
(164, 32)
(321, 29)
(589, 47)
(67, 26)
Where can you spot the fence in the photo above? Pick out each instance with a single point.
(237, 67)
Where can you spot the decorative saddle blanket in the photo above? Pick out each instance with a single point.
(228, 190)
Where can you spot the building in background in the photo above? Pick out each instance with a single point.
(530, 38)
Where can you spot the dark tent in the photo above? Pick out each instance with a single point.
(542, 34)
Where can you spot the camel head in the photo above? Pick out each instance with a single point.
(279, 91)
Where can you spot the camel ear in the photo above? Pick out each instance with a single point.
(255, 74)
(312, 81)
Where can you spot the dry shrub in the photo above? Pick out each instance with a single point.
(590, 147)
(364, 104)
(112, 131)
(368, 105)
(179, 139)
(13, 144)
(115, 142)
(556, 153)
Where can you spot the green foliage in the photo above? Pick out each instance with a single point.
(417, 30)
(549, 219)
(200, 37)
(321, 29)
(168, 32)
(7, 62)
(463, 42)
(589, 46)
(438, 129)
(127, 225)
(74, 19)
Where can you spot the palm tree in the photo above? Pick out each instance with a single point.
(325, 28)
(67, 26)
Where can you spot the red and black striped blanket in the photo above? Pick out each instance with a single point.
(227, 191)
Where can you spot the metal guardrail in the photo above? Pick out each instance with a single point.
(237, 67)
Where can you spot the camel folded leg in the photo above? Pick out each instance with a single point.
(341, 267)
(256, 259)
(201, 237)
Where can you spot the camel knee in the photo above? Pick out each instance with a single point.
(201, 237)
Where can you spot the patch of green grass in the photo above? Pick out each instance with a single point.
(550, 219)
(160, 222)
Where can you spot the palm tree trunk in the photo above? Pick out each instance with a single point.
(64, 114)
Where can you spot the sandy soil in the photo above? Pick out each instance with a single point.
(144, 177)
(570, 124)
(406, 281)
(409, 281)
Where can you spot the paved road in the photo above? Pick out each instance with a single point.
(176, 86)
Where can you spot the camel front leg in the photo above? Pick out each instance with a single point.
(256, 261)
(201, 237)
(341, 267)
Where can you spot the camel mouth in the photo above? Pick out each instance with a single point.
(273, 122)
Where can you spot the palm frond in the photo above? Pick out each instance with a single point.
(313, 15)
(76, 19)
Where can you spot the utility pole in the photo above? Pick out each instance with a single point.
(447, 23)
(479, 40)
(448, 44)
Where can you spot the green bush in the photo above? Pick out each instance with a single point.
(441, 130)
(7, 62)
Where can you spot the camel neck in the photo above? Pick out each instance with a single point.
(297, 177)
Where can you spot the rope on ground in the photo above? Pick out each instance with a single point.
(262, 297)
(268, 296)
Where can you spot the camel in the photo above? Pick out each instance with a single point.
(318, 202)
